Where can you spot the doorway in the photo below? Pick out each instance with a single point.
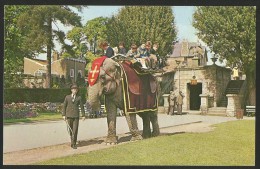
(195, 91)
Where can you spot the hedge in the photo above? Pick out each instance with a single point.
(38, 95)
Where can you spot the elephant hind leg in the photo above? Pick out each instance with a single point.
(154, 121)
(146, 124)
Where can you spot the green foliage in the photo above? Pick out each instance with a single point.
(230, 144)
(37, 95)
(77, 36)
(13, 36)
(80, 80)
(90, 58)
(137, 24)
(95, 31)
(230, 32)
(13, 51)
(55, 82)
(166, 85)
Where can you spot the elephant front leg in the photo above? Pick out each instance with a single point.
(111, 122)
(133, 127)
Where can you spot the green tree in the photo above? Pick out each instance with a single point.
(95, 31)
(137, 24)
(38, 24)
(78, 39)
(230, 32)
(62, 81)
(13, 62)
(90, 58)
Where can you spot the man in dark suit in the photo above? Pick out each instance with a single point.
(71, 113)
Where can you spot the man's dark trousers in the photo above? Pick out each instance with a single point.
(74, 124)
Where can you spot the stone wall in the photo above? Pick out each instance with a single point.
(217, 79)
(31, 66)
(214, 80)
(186, 75)
(59, 66)
(71, 64)
(233, 104)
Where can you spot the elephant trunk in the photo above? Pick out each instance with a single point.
(94, 94)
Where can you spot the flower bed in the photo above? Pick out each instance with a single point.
(28, 110)
(18, 111)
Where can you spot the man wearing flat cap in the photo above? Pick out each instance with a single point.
(71, 113)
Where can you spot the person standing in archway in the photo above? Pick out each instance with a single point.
(179, 102)
(172, 102)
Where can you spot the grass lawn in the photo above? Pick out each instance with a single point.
(230, 144)
(42, 116)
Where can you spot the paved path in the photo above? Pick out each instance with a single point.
(41, 134)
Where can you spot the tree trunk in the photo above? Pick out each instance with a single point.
(48, 73)
(250, 77)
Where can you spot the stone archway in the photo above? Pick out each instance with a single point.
(194, 98)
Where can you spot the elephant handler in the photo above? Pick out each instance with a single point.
(71, 113)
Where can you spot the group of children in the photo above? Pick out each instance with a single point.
(146, 53)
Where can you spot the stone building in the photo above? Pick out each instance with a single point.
(203, 85)
(35, 69)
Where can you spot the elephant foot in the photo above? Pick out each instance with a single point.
(111, 140)
(155, 133)
(135, 138)
(145, 136)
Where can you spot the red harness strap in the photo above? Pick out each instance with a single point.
(108, 74)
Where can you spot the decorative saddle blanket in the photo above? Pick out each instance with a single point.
(139, 89)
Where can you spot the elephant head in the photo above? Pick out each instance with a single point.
(107, 83)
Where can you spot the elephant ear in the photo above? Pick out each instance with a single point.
(113, 68)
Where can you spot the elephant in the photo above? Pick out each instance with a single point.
(109, 83)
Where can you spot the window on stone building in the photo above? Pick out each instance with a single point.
(71, 72)
(80, 72)
(185, 62)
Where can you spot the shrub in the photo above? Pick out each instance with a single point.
(37, 95)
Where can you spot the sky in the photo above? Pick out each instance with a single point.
(183, 18)
(182, 14)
